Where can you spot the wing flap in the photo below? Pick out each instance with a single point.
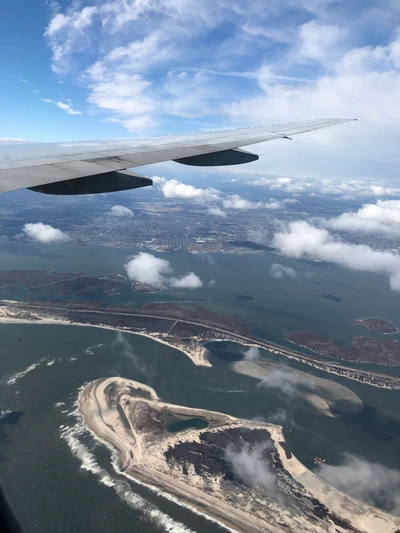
(218, 159)
(98, 183)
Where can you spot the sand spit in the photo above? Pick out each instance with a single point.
(325, 395)
(191, 464)
(194, 350)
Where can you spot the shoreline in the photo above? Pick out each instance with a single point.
(146, 468)
(199, 358)
(197, 352)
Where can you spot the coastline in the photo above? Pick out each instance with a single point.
(146, 469)
(198, 357)
(194, 347)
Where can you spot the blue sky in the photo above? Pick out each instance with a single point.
(114, 68)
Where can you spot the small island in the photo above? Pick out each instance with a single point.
(376, 324)
(236, 471)
(189, 326)
(144, 287)
(362, 349)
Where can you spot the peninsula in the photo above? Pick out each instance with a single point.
(362, 349)
(240, 472)
(187, 327)
(376, 324)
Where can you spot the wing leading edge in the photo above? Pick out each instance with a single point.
(38, 166)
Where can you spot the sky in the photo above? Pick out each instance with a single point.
(74, 70)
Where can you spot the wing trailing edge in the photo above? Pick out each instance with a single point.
(40, 166)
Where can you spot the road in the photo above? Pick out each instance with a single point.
(364, 376)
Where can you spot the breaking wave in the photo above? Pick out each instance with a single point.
(90, 349)
(71, 435)
(19, 375)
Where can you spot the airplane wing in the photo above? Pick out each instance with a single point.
(100, 166)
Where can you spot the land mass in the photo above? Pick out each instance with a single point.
(362, 349)
(187, 327)
(209, 467)
(376, 324)
(326, 396)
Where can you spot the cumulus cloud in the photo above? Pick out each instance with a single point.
(249, 465)
(188, 281)
(120, 211)
(381, 218)
(372, 483)
(151, 270)
(158, 179)
(252, 354)
(337, 61)
(235, 201)
(348, 189)
(44, 233)
(302, 239)
(176, 189)
(148, 269)
(216, 211)
(277, 271)
(172, 188)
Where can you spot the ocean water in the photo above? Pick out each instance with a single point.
(60, 478)
(276, 308)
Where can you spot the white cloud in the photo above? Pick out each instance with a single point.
(302, 239)
(77, 20)
(277, 271)
(250, 466)
(331, 186)
(380, 218)
(286, 379)
(216, 211)
(188, 281)
(176, 189)
(151, 270)
(235, 201)
(62, 105)
(147, 62)
(282, 418)
(158, 179)
(132, 124)
(13, 140)
(290, 201)
(44, 233)
(122, 93)
(317, 39)
(148, 269)
(372, 483)
(120, 211)
(252, 354)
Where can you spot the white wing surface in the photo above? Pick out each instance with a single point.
(95, 166)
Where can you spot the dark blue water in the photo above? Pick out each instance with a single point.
(60, 478)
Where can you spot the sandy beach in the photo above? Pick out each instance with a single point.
(325, 395)
(197, 353)
(142, 452)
